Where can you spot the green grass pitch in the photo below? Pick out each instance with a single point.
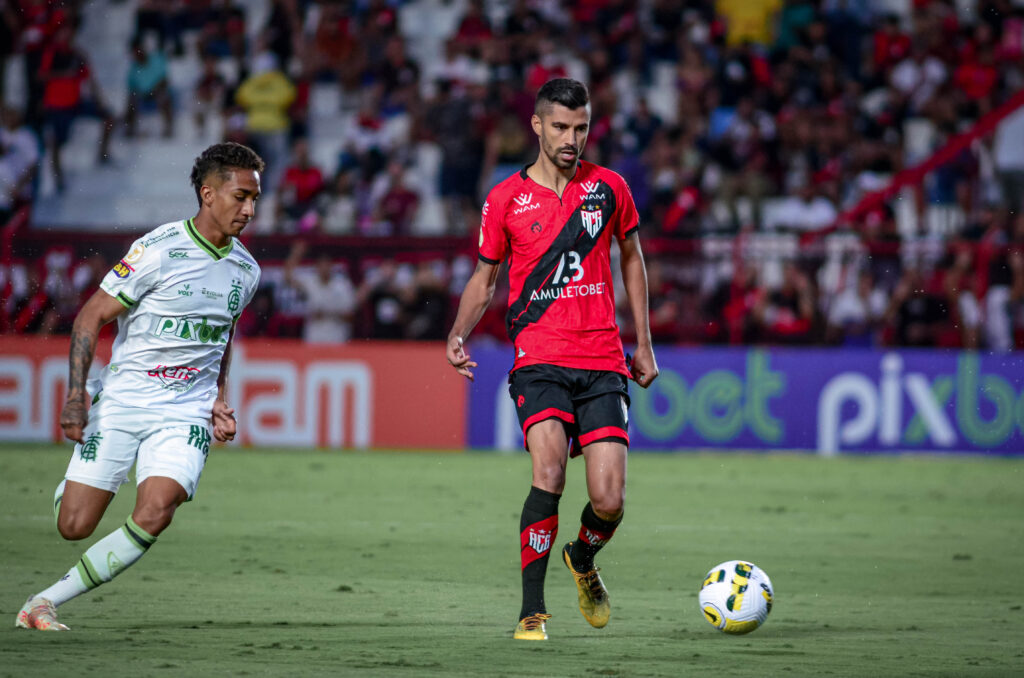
(305, 563)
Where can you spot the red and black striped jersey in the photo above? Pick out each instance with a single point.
(561, 305)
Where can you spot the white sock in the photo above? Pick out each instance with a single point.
(102, 562)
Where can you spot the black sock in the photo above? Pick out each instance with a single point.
(537, 529)
(594, 534)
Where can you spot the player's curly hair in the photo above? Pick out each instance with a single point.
(221, 159)
(570, 93)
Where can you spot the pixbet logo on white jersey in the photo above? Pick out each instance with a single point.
(524, 201)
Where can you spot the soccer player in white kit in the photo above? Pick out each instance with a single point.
(176, 296)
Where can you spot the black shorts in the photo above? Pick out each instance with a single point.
(591, 404)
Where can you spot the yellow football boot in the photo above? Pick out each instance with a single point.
(532, 627)
(592, 594)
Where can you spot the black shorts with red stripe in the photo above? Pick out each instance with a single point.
(592, 404)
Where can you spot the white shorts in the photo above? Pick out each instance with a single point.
(118, 436)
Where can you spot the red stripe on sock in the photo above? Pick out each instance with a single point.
(535, 541)
(594, 537)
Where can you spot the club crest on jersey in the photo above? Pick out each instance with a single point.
(235, 296)
(592, 218)
(524, 201)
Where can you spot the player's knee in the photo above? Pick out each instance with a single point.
(550, 478)
(609, 505)
(74, 527)
(154, 518)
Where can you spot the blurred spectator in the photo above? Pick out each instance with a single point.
(427, 308)
(461, 139)
(748, 20)
(329, 295)
(856, 313)
(221, 29)
(742, 150)
(786, 314)
(394, 202)
(162, 19)
(915, 313)
(70, 91)
(917, 78)
(266, 95)
(300, 186)
(208, 96)
(338, 206)
(19, 160)
(508, 147)
(806, 211)
(10, 26)
(1001, 255)
(1008, 151)
(147, 86)
(282, 26)
(965, 309)
(386, 291)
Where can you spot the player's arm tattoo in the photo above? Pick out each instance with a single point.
(83, 347)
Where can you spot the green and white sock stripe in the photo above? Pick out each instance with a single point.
(113, 554)
(142, 538)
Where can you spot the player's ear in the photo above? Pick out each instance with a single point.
(206, 194)
(537, 124)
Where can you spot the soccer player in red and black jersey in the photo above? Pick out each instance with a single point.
(554, 222)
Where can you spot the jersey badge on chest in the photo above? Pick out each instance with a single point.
(592, 218)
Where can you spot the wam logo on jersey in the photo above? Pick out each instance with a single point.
(592, 218)
(524, 200)
(191, 329)
(590, 189)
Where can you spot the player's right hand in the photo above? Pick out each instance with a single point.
(458, 358)
(73, 419)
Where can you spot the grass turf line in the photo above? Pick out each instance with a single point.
(394, 564)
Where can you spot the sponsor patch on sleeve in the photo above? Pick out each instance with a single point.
(135, 255)
(122, 269)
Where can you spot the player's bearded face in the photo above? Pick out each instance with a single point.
(563, 133)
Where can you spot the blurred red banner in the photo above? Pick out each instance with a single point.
(286, 393)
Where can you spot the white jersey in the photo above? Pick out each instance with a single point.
(183, 296)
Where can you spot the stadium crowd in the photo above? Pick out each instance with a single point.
(746, 129)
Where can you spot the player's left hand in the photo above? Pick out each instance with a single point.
(458, 358)
(224, 425)
(644, 367)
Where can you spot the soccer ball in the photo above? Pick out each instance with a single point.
(736, 597)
